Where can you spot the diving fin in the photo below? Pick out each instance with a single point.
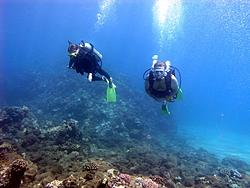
(164, 109)
(111, 93)
(179, 94)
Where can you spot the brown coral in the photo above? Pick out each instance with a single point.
(6, 146)
(70, 182)
(2, 156)
(54, 184)
(18, 168)
(158, 179)
(5, 177)
(201, 180)
(89, 176)
(225, 172)
(90, 166)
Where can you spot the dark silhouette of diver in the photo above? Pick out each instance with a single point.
(84, 58)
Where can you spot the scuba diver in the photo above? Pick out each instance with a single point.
(161, 83)
(84, 58)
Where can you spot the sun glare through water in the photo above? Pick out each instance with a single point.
(167, 20)
(106, 7)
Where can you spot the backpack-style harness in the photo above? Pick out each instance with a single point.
(167, 78)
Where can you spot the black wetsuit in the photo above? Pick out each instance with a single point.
(86, 62)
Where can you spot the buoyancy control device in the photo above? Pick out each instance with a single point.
(88, 47)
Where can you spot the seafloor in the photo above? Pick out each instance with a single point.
(63, 133)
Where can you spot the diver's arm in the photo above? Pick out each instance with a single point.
(174, 86)
(148, 91)
(92, 69)
(71, 63)
(146, 85)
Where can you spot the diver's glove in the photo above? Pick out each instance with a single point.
(73, 68)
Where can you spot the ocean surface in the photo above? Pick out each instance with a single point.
(207, 40)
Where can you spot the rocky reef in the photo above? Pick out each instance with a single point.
(68, 155)
(70, 137)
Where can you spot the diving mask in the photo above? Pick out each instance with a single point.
(159, 73)
(74, 53)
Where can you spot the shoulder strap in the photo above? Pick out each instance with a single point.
(151, 80)
(168, 79)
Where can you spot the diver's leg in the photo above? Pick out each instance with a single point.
(164, 105)
(104, 73)
(96, 78)
(106, 76)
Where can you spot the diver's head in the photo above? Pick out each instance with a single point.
(159, 70)
(73, 49)
(160, 65)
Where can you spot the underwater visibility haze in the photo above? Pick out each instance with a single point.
(207, 40)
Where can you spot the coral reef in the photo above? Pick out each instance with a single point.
(77, 139)
(225, 172)
(82, 159)
(125, 177)
(148, 183)
(12, 116)
(6, 146)
(70, 182)
(18, 167)
(15, 171)
(90, 166)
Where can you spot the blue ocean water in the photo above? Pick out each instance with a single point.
(208, 40)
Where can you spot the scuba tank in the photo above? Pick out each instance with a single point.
(88, 47)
